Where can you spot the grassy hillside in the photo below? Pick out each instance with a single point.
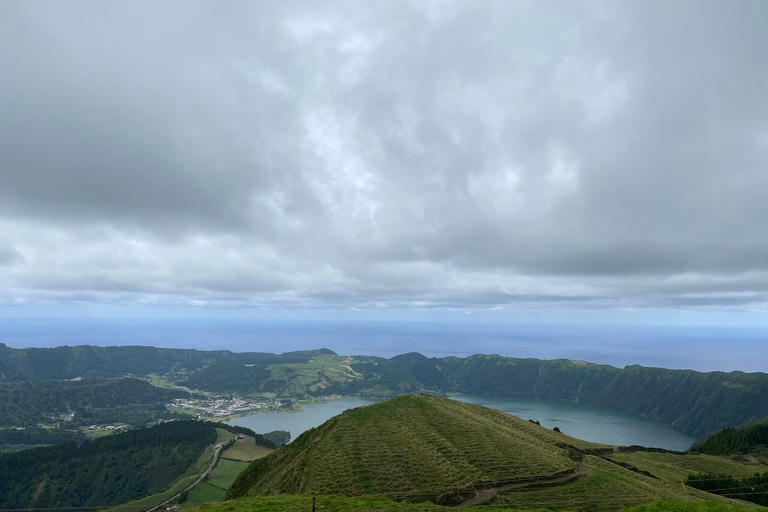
(315, 372)
(427, 448)
(289, 503)
(692, 402)
(234, 460)
(410, 444)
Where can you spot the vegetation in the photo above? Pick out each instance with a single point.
(91, 401)
(731, 441)
(412, 444)
(278, 437)
(692, 402)
(421, 448)
(315, 372)
(303, 503)
(105, 471)
(234, 460)
(605, 487)
(753, 488)
(247, 450)
(677, 467)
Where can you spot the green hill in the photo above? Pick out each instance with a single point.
(423, 448)
(411, 444)
(286, 503)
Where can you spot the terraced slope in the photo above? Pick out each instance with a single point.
(411, 444)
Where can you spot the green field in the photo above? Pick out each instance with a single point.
(676, 468)
(606, 487)
(246, 450)
(214, 488)
(233, 461)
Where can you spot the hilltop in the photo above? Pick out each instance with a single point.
(411, 444)
(421, 448)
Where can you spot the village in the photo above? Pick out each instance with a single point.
(224, 407)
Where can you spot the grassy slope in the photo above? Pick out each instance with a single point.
(677, 467)
(292, 503)
(247, 450)
(410, 443)
(606, 487)
(234, 460)
(424, 448)
(189, 477)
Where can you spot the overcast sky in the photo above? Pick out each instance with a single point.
(517, 155)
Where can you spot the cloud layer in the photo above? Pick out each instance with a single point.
(335, 154)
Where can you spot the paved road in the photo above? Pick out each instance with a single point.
(204, 474)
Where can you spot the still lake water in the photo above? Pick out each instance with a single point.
(581, 421)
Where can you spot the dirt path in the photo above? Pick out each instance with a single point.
(487, 494)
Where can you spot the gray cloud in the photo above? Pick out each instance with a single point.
(455, 154)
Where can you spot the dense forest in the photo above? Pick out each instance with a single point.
(730, 441)
(105, 471)
(91, 401)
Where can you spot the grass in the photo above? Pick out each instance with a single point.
(214, 488)
(316, 374)
(247, 450)
(233, 461)
(677, 467)
(226, 472)
(303, 503)
(607, 487)
(411, 443)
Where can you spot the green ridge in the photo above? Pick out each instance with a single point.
(411, 444)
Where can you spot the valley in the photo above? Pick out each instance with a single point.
(553, 434)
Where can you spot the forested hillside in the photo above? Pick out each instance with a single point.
(732, 441)
(692, 402)
(106, 471)
(90, 400)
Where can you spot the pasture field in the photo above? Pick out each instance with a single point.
(606, 487)
(676, 468)
(246, 450)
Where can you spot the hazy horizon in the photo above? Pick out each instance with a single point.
(676, 347)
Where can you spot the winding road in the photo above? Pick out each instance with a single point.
(202, 476)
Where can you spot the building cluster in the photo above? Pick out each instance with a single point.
(219, 407)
